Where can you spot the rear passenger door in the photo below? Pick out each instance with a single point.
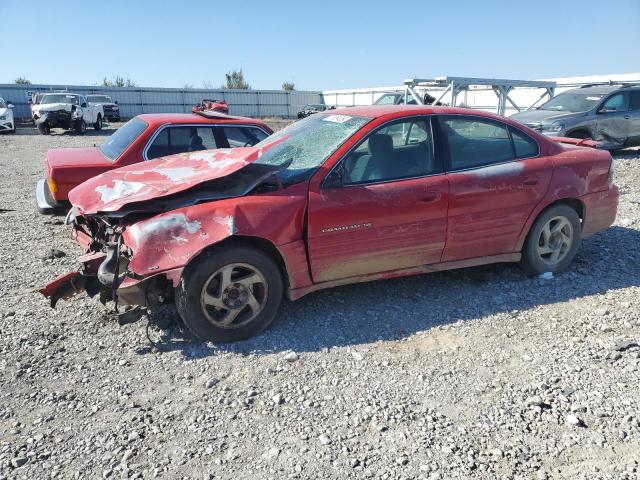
(496, 178)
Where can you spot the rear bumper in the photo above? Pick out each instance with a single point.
(45, 201)
(600, 210)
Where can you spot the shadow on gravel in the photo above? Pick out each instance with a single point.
(395, 309)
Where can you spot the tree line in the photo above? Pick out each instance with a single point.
(234, 79)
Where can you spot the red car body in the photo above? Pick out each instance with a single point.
(323, 236)
(69, 167)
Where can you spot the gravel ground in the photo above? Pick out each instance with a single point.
(477, 373)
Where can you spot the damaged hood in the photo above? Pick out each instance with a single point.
(163, 177)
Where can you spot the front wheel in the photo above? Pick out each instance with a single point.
(44, 128)
(81, 127)
(230, 294)
(98, 124)
(553, 241)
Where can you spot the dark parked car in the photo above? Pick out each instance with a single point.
(609, 114)
(111, 108)
(311, 109)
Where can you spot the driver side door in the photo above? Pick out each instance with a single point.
(387, 212)
(613, 119)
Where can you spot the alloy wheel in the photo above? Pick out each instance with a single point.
(234, 295)
(555, 241)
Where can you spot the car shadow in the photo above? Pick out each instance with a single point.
(391, 310)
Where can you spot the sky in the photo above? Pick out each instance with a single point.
(317, 45)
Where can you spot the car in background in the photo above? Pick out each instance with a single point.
(142, 138)
(608, 114)
(313, 108)
(353, 195)
(7, 122)
(69, 111)
(212, 105)
(110, 108)
(397, 98)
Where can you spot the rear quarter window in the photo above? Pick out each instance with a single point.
(523, 145)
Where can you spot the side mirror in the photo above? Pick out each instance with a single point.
(83, 104)
(10, 105)
(116, 102)
(335, 178)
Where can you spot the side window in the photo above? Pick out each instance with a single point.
(634, 104)
(173, 140)
(616, 103)
(401, 150)
(524, 145)
(475, 142)
(160, 145)
(243, 136)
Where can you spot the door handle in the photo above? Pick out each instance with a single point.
(627, 117)
(530, 181)
(430, 197)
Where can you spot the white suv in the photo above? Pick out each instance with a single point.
(68, 111)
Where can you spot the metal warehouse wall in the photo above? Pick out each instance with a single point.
(134, 101)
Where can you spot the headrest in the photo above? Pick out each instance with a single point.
(380, 144)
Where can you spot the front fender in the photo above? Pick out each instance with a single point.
(170, 240)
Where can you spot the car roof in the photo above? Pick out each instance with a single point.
(599, 89)
(375, 111)
(156, 119)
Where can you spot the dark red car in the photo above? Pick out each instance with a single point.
(144, 137)
(353, 195)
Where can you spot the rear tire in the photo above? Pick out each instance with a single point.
(229, 294)
(553, 241)
(98, 124)
(579, 134)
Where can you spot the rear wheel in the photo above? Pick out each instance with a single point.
(98, 124)
(230, 294)
(579, 134)
(553, 241)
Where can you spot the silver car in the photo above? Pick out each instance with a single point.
(609, 114)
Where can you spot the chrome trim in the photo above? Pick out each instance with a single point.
(176, 125)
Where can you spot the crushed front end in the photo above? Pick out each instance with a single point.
(104, 267)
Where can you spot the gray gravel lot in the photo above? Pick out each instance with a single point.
(477, 373)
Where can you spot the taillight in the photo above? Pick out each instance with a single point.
(53, 186)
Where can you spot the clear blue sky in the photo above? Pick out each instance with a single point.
(318, 45)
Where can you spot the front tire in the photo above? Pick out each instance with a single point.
(553, 241)
(98, 124)
(230, 294)
(81, 127)
(44, 129)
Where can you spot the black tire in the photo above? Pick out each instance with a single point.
(44, 129)
(535, 263)
(98, 124)
(202, 272)
(81, 127)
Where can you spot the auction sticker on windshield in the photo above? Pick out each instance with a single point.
(337, 118)
(594, 98)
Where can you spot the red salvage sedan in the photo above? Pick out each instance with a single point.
(144, 137)
(353, 195)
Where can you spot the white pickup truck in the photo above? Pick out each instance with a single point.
(66, 110)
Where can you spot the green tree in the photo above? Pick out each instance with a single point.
(22, 81)
(118, 82)
(288, 86)
(235, 79)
